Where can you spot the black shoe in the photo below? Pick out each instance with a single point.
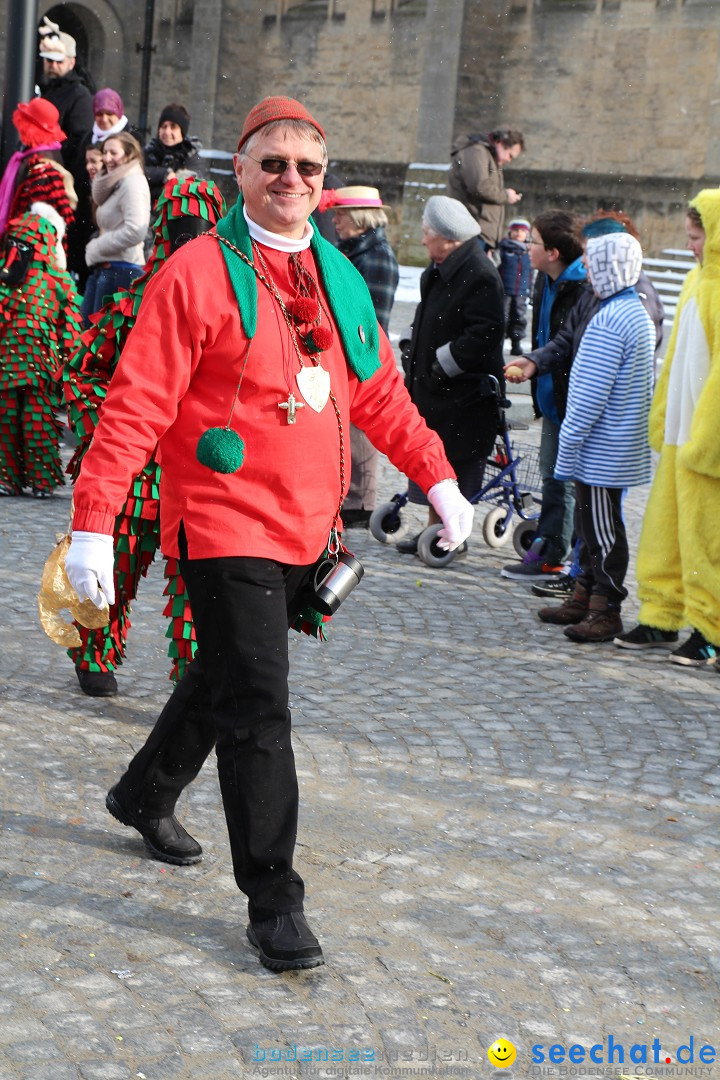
(408, 547)
(643, 636)
(696, 652)
(39, 493)
(164, 837)
(563, 586)
(97, 683)
(356, 519)
(285, 942)
(516, 349)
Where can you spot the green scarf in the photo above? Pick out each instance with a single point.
(346, 292)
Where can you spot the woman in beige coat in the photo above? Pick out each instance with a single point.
(122, 197)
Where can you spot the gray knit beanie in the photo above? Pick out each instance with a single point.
(449, 218)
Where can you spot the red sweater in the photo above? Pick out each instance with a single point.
(177, 377)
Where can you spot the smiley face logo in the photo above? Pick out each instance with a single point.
(502, 1053)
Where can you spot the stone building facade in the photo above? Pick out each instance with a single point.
(619, 99)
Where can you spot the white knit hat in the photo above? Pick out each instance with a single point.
(449, 218)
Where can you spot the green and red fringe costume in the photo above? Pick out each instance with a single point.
(39, 326)
(86, 378)
(46, 181)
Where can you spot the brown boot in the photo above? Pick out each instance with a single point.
(602, 623)
(572, 610)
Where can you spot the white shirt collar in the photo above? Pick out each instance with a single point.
(274, 240)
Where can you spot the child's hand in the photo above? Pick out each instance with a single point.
(520, 370)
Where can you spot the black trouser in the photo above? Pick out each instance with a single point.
(604, 553)
(234, 696)
(515, 318)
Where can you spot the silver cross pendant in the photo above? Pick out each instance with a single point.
(291, 406)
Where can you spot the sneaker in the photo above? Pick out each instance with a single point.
(645, 637)
(561, 586)
(696, 652)
(537, 570)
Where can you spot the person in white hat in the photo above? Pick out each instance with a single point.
(64, 86)
(360, 221)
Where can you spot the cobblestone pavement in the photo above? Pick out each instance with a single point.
(502, 834)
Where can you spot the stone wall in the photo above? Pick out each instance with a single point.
(604, 86)
(359, 75)
(619, 99)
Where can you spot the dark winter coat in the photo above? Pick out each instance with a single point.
(515, 269)
(557, 356)
(460, 314)
(371, 254)
(74, 102)
(161, 160)
(72, 99)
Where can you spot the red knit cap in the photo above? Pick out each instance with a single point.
(271, 109)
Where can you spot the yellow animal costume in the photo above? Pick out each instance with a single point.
(678, 564)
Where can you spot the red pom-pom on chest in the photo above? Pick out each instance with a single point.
(305, 309)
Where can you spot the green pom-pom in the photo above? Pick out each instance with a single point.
(221, 449)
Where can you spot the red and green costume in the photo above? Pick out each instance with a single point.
(39, 327)
(86, 379)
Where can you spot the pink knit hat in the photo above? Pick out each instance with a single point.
(271, 109)
(108, 101)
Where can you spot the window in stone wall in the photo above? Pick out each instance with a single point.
(568, 5)
(381, 8)
(307, 9)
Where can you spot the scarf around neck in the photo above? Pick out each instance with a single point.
(105, 183)
(346, 292)
(98, 135)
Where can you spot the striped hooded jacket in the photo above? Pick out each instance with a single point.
(603, 438)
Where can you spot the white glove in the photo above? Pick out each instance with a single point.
(89, 567)
(455, 512)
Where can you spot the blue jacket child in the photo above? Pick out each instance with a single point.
(516, 274)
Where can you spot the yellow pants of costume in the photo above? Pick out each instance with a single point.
(678, 563)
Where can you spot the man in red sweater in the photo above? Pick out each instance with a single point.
(255, 347)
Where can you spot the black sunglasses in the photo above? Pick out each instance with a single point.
(277, 166)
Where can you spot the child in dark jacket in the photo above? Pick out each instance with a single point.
(516, 274)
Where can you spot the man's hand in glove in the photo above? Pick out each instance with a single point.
(89, 567)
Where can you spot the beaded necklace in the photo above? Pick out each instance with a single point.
(222, 449)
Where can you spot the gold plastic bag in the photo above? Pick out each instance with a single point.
(57, 594)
